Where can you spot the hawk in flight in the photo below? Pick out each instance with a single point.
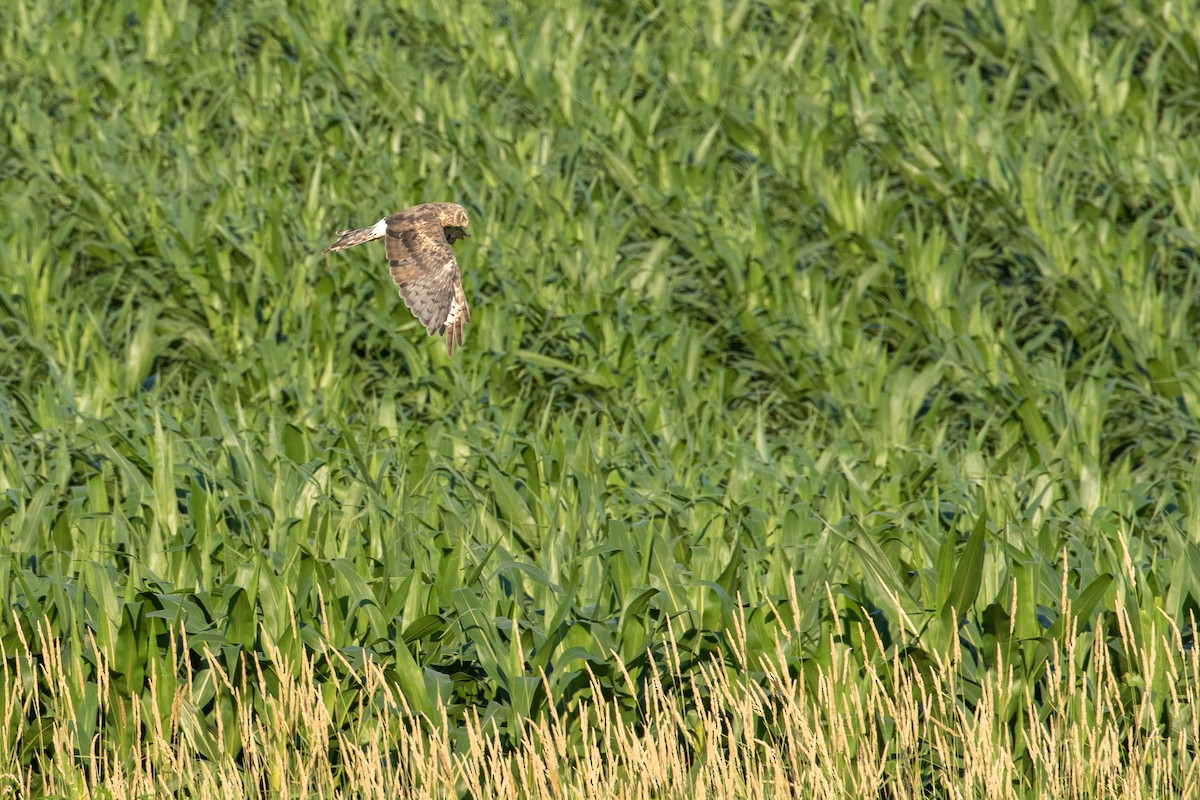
(417, 242)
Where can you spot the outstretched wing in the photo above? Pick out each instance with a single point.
(425, 270)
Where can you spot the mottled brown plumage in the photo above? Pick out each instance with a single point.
(422, 263)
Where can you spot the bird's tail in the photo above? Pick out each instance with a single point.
(358, 236)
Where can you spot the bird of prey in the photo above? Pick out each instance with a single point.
(417, 242)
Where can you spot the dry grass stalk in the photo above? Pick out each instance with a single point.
(716, 734)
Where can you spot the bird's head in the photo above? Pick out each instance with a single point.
(454, 221)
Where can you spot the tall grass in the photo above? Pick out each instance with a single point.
(871, 330)
(723, 729)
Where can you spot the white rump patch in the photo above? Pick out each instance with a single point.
(380, 229)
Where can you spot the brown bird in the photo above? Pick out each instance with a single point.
(422, 263)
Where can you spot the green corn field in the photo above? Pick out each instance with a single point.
(826, 427)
